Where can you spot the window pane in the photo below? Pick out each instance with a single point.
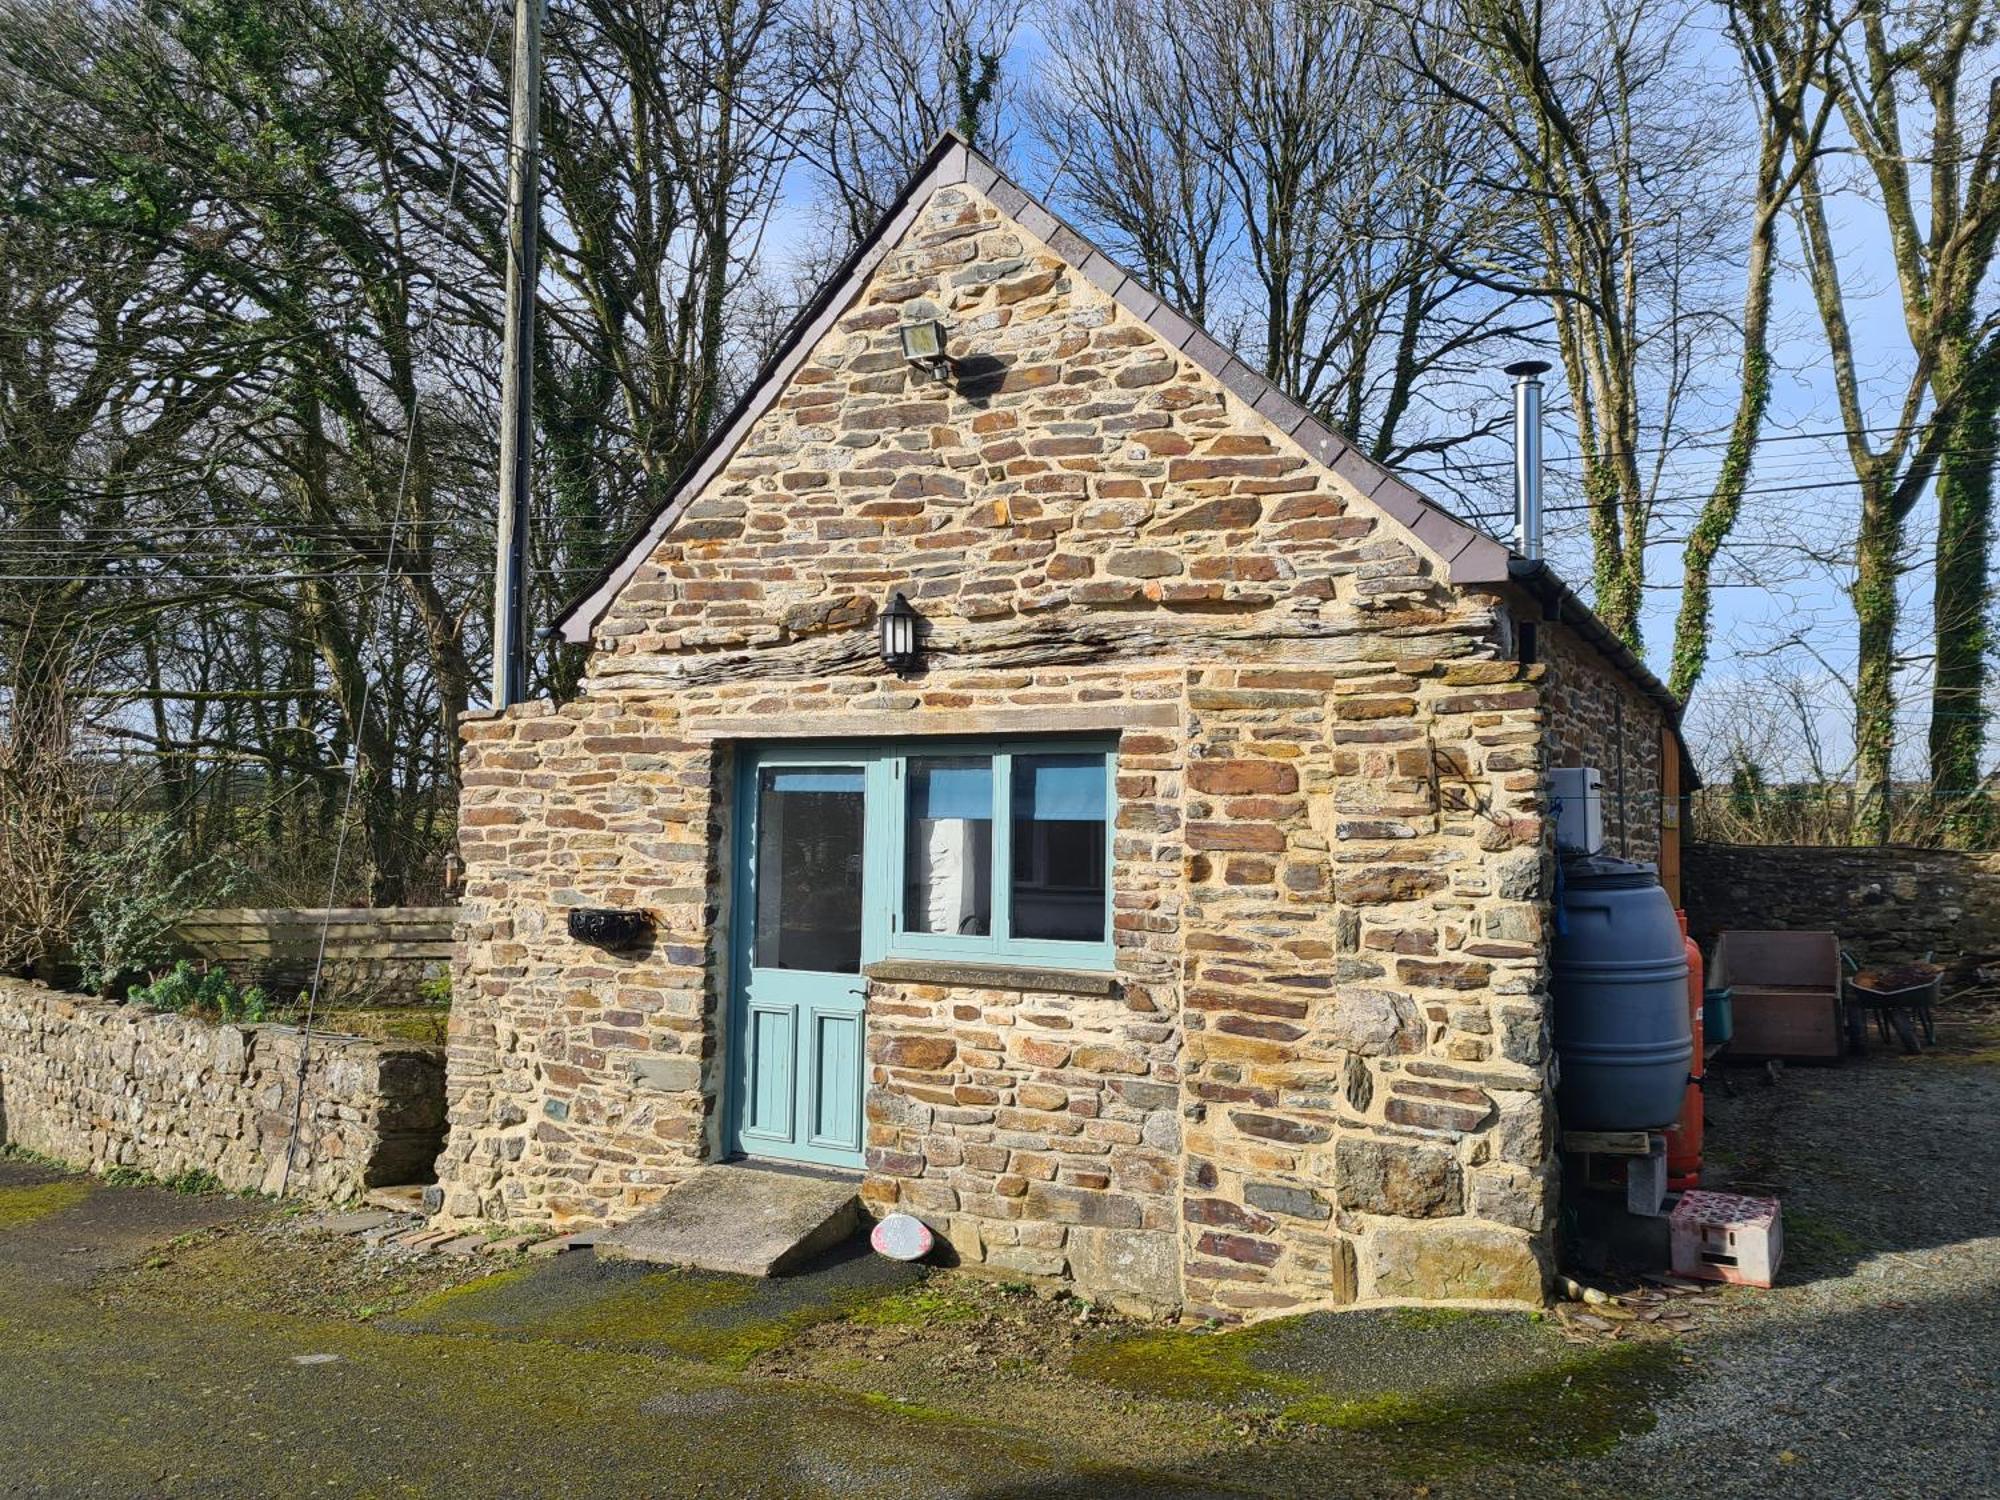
(1060, 810)
(948, 857)
(809, 822)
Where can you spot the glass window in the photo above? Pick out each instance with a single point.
(809, 841)
(1058, 832)
(948, 846)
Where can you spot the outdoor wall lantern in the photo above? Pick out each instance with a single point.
(923, 346)
(898, 622)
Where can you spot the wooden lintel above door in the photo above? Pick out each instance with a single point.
(943, 723)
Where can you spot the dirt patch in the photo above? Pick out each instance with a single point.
(69, 1229)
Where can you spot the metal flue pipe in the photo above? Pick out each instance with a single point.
(1528, 456)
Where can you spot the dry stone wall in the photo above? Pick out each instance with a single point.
(1318, 1074)
(1887, 905)
(105, 1085)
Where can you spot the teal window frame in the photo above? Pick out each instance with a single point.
(889, 816)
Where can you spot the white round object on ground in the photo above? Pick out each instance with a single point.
(901, 1237)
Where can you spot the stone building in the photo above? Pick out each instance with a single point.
(1177, 923)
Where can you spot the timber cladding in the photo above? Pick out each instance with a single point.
(1320, 1076)
(378, 953)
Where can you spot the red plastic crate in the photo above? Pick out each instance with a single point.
(1727, 1237)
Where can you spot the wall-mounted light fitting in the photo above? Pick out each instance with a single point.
(900, 645)
(923, 346)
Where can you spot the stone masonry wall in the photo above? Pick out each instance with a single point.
(1599, 717)
(105, 1085)
(1319, 1076)
(1887, 905)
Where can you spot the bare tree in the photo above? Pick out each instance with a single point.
(1899, 76)
(883, 79)
(1783, 49)
(1306, 223)
(1613, 150)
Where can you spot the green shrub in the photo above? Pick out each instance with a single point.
(436, 988)
(140, 885)
(209, 993)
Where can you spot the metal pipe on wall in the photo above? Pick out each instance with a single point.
(1528, 456)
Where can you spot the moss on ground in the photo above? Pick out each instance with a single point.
(1580, 1406)
(25, 1205)
(726, 1321)
(1572, 1401)
(1186, 1365)
(402, 1414)
(923, 1306)
(1430, 1319)
(1815, 1240)
(1976, 1046)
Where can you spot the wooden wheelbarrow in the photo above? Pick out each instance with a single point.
(1901, 996)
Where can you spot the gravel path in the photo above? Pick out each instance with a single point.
(1873, 1369)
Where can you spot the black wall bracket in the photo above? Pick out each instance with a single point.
(608, 927)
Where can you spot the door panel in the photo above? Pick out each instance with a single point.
(767, 1108)
(836, 1096)
(804, 869)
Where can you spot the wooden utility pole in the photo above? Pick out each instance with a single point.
(517, 371)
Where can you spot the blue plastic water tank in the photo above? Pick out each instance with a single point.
(1621, 1008)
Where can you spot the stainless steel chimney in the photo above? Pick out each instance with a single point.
(1528, 456)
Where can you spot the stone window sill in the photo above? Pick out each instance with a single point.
(990, 976)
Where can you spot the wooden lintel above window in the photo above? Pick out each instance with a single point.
(944, 723)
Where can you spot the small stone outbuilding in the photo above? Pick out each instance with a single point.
(1178, 924)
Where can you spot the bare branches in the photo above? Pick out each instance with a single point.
(1311, 225)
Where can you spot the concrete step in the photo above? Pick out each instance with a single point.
(752, 1220)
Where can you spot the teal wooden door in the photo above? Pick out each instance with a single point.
(797, 1029)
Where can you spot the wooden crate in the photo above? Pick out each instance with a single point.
(1785, 989)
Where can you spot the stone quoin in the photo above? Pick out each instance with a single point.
(1311, 1067)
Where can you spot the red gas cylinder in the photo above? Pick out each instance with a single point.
(1684, 1136)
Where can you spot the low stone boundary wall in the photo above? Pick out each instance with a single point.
(105, 1085)
(1887, 904)
(377, 955)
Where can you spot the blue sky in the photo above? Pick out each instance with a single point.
(1783, 632)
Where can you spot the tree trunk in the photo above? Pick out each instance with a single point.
(1964, 591)
(1878, 565)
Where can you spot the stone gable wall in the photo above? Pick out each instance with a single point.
(1077, 486)
(1319, 1077)
(1599, 717)
(105, 1085)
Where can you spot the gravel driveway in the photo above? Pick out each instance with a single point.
(1873, 1369)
